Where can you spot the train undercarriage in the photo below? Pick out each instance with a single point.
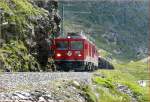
(61, 65)
(75, 66)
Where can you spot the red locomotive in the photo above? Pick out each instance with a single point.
(75, 52)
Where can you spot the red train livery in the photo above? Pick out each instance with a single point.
(75, 52)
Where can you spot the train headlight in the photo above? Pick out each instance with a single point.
(68, 37)
(79, 55)
(58, 54)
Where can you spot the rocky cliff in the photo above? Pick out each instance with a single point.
(24, 29)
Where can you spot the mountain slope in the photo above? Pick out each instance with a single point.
(119, 27)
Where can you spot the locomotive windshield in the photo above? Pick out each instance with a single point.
(62, 45)
(76, 45)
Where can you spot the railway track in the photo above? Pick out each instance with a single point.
(10, 80)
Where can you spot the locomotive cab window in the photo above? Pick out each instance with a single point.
(76, 45)
(62, 45)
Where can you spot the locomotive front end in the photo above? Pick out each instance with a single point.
(69, 54)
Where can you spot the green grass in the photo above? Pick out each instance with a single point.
(89, 93)
(4, 5)
(138, 69)
(106, 95)
(15, 56)
(23, 6)
(107, 91)
(105, 54)
(20, 11)
(104, 82)
(125, 73)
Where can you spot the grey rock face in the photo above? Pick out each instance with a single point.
(50, 21)
(33, 31)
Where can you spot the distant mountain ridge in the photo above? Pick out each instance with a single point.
(119, 27)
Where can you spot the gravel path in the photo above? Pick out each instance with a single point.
(9, 80)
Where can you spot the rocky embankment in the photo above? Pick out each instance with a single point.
(57, 91)
(44, 87)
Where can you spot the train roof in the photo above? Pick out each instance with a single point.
(77, 35)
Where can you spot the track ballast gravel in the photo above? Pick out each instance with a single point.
(9, 80)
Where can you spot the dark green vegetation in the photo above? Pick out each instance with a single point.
(15, 23)
(119, 27)
(25, 23)
(15, 57)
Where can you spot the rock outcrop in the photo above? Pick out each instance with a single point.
(29, 21)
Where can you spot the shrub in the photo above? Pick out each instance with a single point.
(14, 56)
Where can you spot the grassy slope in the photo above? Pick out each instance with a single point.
(14, 55)
(127, 74)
